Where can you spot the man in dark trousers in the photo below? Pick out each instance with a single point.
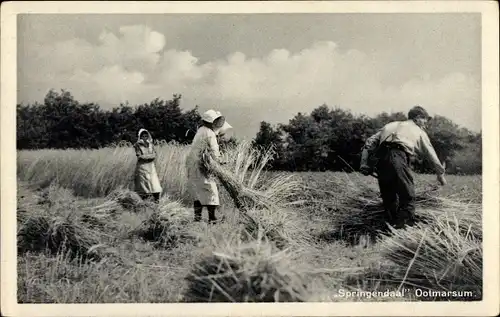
(393, 147)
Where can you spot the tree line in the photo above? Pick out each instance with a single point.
(326, 139)
(61, 122)
(332, 139)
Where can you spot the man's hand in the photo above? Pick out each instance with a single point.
(365, 170)
(441, 179)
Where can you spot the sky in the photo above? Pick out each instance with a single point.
(255, 67)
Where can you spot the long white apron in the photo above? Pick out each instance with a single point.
(200, 186)
(146, 178)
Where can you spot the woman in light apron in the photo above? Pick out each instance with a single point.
(147, 184)
(203, 188)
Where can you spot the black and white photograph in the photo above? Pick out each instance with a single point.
(182, 156)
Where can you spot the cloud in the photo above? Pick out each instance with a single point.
(136, 65)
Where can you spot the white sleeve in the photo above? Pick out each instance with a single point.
(214, 146)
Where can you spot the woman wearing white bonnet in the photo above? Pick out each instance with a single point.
(147, 183)
(203, 189)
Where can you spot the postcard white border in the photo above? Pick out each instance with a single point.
(490, 127)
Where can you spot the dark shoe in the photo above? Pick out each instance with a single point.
(396, 223)
(409, 223)
(401, 224)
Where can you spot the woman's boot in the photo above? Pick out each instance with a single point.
(198, 208)
(211, 215)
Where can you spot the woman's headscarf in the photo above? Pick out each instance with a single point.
(141, 131)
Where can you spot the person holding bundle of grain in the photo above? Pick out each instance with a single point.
(147, 184)
(203, 187)
(392, 148)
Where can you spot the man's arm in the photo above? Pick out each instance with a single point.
(430, 154)
(370, 144)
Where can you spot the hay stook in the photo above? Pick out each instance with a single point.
(246, 272)
(166, 225)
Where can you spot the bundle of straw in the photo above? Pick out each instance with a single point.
(127, 199)
(174, 211)
(262, 208)
(55, 195)
(442, 254)
(439, 256)
(118, 200)
(246, 272)
(165, 225)
(56, 233)
(365, 197)
(279, 226)
(95, 220)
(465, 218)
(360, 210)
(161, 232)
(243, 197)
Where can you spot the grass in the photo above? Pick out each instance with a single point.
(100, 172)
(85, 237)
